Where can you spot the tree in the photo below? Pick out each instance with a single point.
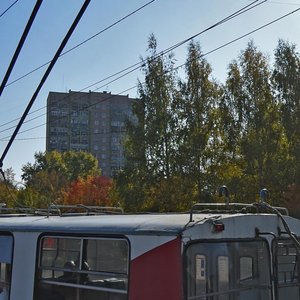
(70, 165)
(91, 191)
(156, 94)
(175, 193)
(286, 81)
(53, 171)
(150, 142)
(197, 119)
(9, 176)
(195, 134)
(261, 140)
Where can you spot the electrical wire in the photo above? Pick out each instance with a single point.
(82, 43)
(182, 65)
(284, 3)
(205, 54)
(138, 65)
(20, 45)
(5, 11)
(45, 76)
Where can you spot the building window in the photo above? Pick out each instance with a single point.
(82, 268)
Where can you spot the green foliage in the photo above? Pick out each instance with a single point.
(261, 138)
(286, 81)
(189, 136)
(150, 147)
(198, 132)
(194, 134)
(52, 172)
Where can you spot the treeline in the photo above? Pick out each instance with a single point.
(193, 133)
(56, 178)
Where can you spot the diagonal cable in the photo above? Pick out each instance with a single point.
(44, 78)
(138, 65)
(80, 44)
(20, 45)
(5, 11)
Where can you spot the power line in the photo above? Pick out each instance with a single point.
(138, 65)
(55, 58)
(83, 42)
(285, 3)
(205, 54)
(73, 48)
(5, 11)
(21, 43)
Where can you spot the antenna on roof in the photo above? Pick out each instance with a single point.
(223, 191)
(264, 195)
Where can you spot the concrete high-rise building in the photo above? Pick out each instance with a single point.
(89, 121)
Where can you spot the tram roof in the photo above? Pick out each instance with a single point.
(161, 224)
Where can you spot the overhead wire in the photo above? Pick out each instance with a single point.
(6, 10)
(139, 64)
(248, 33)
(20, 44)
(285, 3)
(180, 66)
(44, 78)
(82, 43)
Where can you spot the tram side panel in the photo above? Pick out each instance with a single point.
(157, 274)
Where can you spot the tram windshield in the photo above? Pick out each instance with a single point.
(233, 270)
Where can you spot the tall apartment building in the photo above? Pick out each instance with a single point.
(89, 121)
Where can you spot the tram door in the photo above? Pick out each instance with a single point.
(228, 271)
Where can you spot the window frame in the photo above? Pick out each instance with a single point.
(82, 237)
(225, 240)
(278, 285)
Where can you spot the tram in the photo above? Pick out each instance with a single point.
(214, 252)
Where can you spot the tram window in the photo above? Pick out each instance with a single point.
(246, 268)
(286, 269)
(200, 273)
(223, 273)
(6, 248)
(82, 268)
(55, 252)
(235, 270)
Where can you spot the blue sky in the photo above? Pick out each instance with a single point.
(171, 21)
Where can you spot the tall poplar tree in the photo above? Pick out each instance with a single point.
(262, 141)
(156, 93)
(199, 94)
(150, 145)
(286, 79)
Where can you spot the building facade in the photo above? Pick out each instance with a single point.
(89, 121)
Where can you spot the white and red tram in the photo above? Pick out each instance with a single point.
(231, 253)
